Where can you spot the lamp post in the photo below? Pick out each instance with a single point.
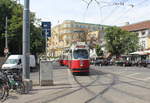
(26, 40)
(26, 47)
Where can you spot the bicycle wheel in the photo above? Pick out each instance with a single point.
(20, 88)
(5, 93)
(2, 92)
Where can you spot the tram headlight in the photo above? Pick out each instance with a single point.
(81, 63)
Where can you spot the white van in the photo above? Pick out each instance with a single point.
(15, 62)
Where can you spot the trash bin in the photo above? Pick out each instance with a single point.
(46, 73)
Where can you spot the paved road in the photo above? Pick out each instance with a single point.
(108, 84)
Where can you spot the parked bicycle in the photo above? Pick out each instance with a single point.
(4, 89)
(11, 81)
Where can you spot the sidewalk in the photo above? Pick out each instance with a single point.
(40, 94)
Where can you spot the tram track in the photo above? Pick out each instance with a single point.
(100, 93)
(118, 81)
(67, 92)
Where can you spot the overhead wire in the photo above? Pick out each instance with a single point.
(100, 8)
(113, 11)
(88, 4)
(108, 4)
(84, 14)
(132, 7)
(142, 4)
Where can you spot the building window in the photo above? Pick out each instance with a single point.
(77, 25)
(143, 43)
(143, 32)
(67, 25)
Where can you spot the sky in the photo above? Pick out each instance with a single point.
(106, 12)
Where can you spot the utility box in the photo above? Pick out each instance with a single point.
(46, 73)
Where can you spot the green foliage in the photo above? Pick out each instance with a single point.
(14, 12)
(37, 42)
(119, 41)
(99, 51)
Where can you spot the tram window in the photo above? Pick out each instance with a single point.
(83, 54)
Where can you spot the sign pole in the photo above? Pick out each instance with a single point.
(6, 39)
(46, 43)
(46, 28)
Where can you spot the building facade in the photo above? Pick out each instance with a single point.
(142, 29)
(64, 34)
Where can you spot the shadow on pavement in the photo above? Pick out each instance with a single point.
(97, 72)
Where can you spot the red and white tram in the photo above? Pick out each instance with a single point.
(63, 61)
(78, 58)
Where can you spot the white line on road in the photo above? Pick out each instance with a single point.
(133, 74)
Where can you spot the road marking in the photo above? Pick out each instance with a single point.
(133, 74)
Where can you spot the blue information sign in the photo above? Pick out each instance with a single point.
(46, 32)
(46, 25)
(46, 29)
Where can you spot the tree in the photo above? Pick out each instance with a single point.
(6, 10)
(14, 12)
(99, 50)
(119, 41)
(37, 42)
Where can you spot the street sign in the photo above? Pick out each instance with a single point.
(46, 29)
(46, 32)
(6, 50)
(46, 25)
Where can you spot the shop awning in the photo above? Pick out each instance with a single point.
(139, 53)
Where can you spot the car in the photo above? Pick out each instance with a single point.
(127, 63)
(15, 62)
(98, 62)
(142, 63)
(119, 63)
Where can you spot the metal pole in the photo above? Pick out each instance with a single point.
(6, 43)
(26, 40)
(6, 40)
(46, 43)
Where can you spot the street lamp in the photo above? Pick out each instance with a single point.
(26, 40)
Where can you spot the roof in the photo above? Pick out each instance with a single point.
(15, 56)
(137, 26)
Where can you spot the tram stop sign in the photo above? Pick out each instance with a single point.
(6, 50)
(46, 29)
